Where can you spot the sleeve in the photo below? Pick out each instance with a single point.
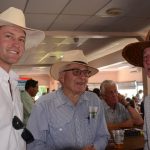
(38, 126)
(102, 134)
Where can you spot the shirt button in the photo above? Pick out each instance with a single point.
(60, 129)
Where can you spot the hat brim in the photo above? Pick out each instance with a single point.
(33, 37)
(133, 53)
(57, 67)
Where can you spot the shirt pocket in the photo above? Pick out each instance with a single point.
(63, 133)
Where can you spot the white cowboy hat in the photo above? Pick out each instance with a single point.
(14, 16)
(71, 57)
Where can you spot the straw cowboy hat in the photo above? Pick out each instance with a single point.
(14, 16)
(133, 53)
(71, 57)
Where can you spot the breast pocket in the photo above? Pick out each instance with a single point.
(63, 133)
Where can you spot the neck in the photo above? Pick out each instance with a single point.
(6, 67)
(73, 97)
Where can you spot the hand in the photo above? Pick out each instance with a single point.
(122, 100)
(89, 147)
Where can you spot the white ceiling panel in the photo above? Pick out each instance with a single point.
(97, 23)
(85, 7)
(68, 22)
(43, 23)
(4, 4)
(128, 25)
(46, 6)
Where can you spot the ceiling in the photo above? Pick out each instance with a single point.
(101, 28)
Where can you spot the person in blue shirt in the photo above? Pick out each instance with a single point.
(69, 118)
(118, 112)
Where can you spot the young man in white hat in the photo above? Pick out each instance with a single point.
(138, 54)
(14, 39)
(69, 118)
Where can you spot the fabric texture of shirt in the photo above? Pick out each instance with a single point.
(10, 105)
(147, 123)
(59, 125)
(28, 103)
(117, 115)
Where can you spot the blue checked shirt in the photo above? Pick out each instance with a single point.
(117, 115)
(59, 125)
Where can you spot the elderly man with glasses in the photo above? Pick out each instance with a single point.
(118, 112)
(69, 118)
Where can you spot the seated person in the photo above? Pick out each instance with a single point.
(118, 112)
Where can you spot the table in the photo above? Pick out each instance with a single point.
(130, 143)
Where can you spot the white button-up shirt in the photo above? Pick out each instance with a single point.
(10, 105)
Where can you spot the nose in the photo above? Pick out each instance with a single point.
(16, 43)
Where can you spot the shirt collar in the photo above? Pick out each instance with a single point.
(6, 76)
(107, 107)
(63, 99)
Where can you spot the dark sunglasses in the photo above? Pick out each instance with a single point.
(78, 72)
(26, 134)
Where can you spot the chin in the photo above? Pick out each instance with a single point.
(80, 91)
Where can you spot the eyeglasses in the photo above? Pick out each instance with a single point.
(78, 72)
(26, 134)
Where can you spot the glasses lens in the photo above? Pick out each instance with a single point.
(86, 73)
(76, 72)
(17, 123)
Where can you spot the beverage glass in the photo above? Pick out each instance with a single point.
(118, 136)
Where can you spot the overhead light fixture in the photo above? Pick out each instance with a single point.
(110, 12)
(114, 12)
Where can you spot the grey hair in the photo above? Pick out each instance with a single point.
(104, 84)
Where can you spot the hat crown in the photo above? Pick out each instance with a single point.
(14, 16)
(74, 55)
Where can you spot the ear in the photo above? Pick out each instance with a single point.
(61, 77)
(103, 96)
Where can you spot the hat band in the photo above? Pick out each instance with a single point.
(80, 62)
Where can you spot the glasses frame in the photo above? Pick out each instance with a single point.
(86, 72)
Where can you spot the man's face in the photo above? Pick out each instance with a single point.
(146, 61)
(33, 90)
(74, 84)
(12, 45)
(111, 95)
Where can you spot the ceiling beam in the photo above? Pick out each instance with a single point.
(65, 34)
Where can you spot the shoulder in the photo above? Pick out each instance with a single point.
(91, 95)
(121, 107)
(92, 99)
(47, 97)
(23, 93)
